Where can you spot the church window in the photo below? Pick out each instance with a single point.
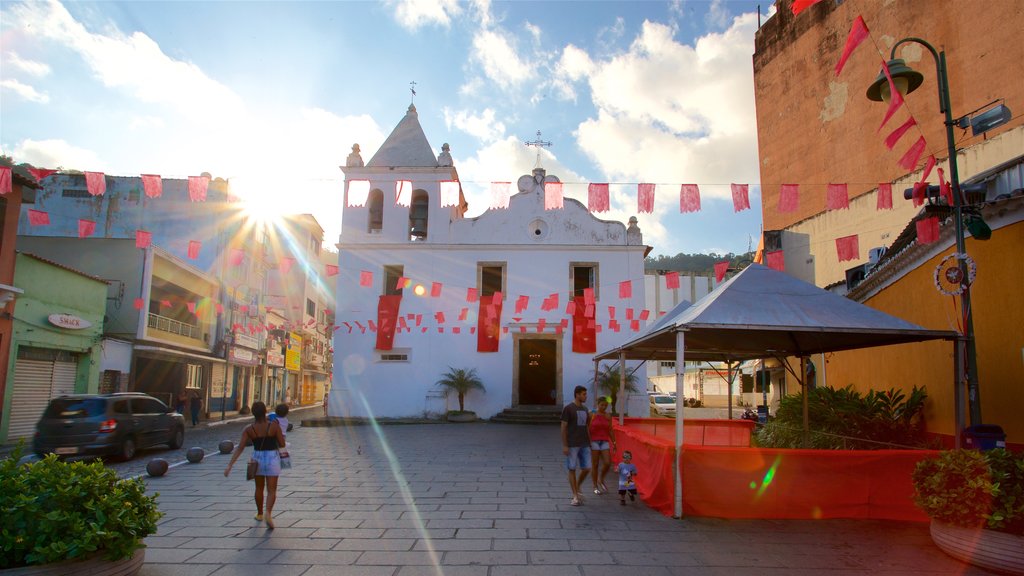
(391, 276)
(376, 205)
(583, 275)
(491, 277)
(418, 212)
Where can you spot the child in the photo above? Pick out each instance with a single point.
(627, 478)
(281, 415)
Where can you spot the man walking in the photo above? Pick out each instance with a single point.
(576, 441)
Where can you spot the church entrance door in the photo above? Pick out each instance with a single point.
(538, 371)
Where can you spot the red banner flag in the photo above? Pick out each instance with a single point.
(689, 198)
(86, 228)
(584, 334)
(858, 32)
(143, 239)
(500, 194)
(358, 191)
(197, 186)
(611, 311)
(837, 197)
(191, 307)
(884, 197)
(928, 165)
(5, 180)
(463, 314)
(799, 6)
(439, 317)
(629, 313)
(550, 303)
(286, 264)
(139, 303)
(895, 98)
(789, 198)
(672, 280)
(387, 316)
(645, 314)
(449, 193)
(165, 303)
(435, 289)
(927, 230)
(96, 183)
(920, 192)
(588, 296)
(552, 195)
(597, 197)
(472, 295)
(331, 269)
(776, 260)
(898, 133)
(40, 173)
(365, 278)
(645, 198)
(489, 323)
(945, 189)
(909, 160)
(720, 269)
(626, 289)
(522, 303)
(193, 249)
(152, 185)
(740, 197)
(848, 248)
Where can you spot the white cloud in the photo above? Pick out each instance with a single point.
(573, 65)
(495, 51)
(145, 123)
(413, 14)
(56, 153)
(482, 126)
(30, 67)
(24, 91)
(718, 15)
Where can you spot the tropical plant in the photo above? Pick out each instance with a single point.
(55, 510)
(845, 419)
(461, 382)
(973, 489)
(608, 383)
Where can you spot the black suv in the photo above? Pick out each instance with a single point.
(83, 425)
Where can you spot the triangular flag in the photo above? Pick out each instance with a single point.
(449, 193)
(193, 249)
(143, 239)
(848, 248)
(286, 264)
(38, 218)
(96, 183)
(672, 280)
(626, 289)
(552, 195)
(895, 98)
(837, 197)
(858, 32)
(740, 197)
(909, 160)
(403, 192)
(720, 269)
(776, 260)
(365, 278)
(86, 228)
(884, 197)
(435, 289)
(799, 6)
(197, 186)
(5, 180)
(499, 194)
(927, 230)
(358, 192)
(689, 198)
(898, 133)
(152, 185)
(645, 198)
(597, 197)
(471, 295)
(928, 165)
(139, 303)
(789, 197)
(331, 269)
(40, 173)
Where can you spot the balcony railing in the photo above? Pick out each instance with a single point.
(173, 326)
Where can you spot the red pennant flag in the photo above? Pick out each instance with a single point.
(789, 196)
(799, 6)
(456, 330)
(5, 180)
(286, 264)
(449, 193)
(858, 32)
(152, 185)
(626, 289)
(435, 289)
(634, 325)
(945, 189)
(898, 133)
(927, 230)
(439, 317)
(740, 197)
(611, 311)
(365, 278)
(909, 160)
(331, 269)
(884, 197)
(244, 308)
(499, 194)
(86, 228)
(472, 295)
(838, 197)
(463, 314)
(358, 192)
(40, 173)
(197, 186)
(776, 260)
(550, 303)
(96, 183)
(191, 307)
(387, 313)
(236, 257)
(920, 193)
(139, 303)
(570, 308)
(895, 98)
(672, 280)
(220, 308)
(629, 313)
(588, 296)
(720, 269)
(689, 198)
(613, 325)
(193, 249)
(165, 303)
(848, 248)
(522, 303)
(597, 197)
(403, 283)
(645, 198)
(143, 239)
(645, 314)
(403, 193)
(928, 165)
(552, 195)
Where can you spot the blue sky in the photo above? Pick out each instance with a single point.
(273, 94)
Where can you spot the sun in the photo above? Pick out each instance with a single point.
(261, 201)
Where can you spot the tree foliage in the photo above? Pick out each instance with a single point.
(697, 263)
(608, 383)
(461, 382)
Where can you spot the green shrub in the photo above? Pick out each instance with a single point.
(55, 510)
(973, 489)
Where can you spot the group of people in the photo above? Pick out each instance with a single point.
(587, 442)
(193, 402)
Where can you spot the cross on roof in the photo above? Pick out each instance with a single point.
(540, 144)
(412, 88)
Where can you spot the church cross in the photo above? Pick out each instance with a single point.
(412, 88)
(540, 144)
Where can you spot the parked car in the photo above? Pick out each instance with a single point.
(89, 425)
(663, 405)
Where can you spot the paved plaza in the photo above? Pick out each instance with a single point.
(482, 500)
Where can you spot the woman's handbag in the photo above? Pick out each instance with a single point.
(250, 469)
(286, 460)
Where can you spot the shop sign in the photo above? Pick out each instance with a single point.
(242, 356)
(275, 358)
(293, 356)
(69, 321)
(246, 340)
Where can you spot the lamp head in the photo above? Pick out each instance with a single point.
(904, 77)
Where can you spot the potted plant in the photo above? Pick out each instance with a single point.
(71, 518)
(976, 503)
(608, 383)
(461, 382)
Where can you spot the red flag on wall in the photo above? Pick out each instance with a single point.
(40, 173)
(489, 323)
(895, 98)
(927, 230)
(645, 198)
(38, 218)
(197, 186)
(5, 180)
(837, 197)
(776, 260)
(552, 195)
(597, 197)
(858, 32)
(152, 185)
(848, 248)
(720, 269)
(884, 197)
(96, 183)
(499, 194)
(365, 278)
(789, 197)
(387, 316)
(898, 133)
(626, 289)
(672, 280)
(435, 289)
(584, 334)
(689, 198)
(740, 197)
(193, 249)
(143, 239)
(86, 228)
(331, 269)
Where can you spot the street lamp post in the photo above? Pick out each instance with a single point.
(910, 80)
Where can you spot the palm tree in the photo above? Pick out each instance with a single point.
(608, 382)
(461, 382)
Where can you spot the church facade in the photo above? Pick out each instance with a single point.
(523, 295)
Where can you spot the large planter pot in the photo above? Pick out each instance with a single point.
(462, 417)
(987, 549)
(95, 565)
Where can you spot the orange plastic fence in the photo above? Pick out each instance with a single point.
(735, 482)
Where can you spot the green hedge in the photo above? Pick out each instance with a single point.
(973, 489)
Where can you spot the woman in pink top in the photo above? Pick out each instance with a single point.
(601, 441)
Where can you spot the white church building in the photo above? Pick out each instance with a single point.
(524, 295)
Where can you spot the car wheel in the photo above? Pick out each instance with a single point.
(177, 439)
(127, 448)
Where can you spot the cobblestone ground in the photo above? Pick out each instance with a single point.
(482, 499)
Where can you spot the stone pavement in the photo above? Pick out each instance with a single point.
(482, 500)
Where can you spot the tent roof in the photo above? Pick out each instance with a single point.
(761, 313)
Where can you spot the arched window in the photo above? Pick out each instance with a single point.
(375, 202)
(418, 211)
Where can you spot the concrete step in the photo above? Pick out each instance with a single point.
(529, 415)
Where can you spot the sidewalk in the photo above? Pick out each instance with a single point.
(482, 499)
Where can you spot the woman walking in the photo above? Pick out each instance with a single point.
(602, 438)
(266, 438)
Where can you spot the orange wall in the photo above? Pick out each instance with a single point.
(999, 324)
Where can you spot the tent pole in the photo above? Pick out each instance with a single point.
(594, 385)
(728, 366)
(803, 386)
(622, 386)
(958, 389)
(677, 465)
